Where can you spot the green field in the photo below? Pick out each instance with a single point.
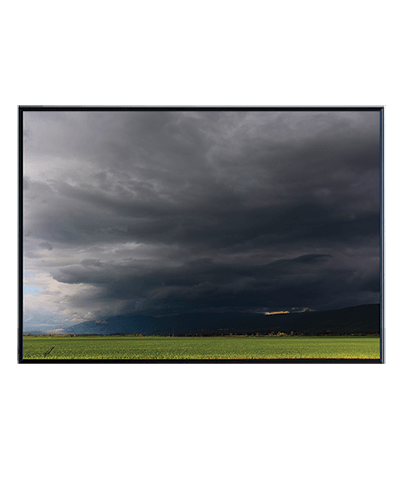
(199, 348)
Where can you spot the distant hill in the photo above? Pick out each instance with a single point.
(33, 332)
(115, 324)
(357, 319)
(152, 325)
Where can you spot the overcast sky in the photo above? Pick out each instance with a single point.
(168, 212)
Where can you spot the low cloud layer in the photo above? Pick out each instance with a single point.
(164, 212)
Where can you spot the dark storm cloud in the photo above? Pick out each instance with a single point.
(205, 284)
(165, 211)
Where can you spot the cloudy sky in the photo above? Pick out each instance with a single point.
(168, 212)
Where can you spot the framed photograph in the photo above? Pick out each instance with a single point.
(201, 234)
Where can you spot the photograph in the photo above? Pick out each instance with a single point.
(201, 234)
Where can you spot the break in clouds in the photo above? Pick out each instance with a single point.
(168, 212)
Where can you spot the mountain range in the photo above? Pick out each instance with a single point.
(363, 319)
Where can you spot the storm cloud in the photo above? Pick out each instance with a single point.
(173, 211)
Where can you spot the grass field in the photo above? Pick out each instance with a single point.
(200, 348)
